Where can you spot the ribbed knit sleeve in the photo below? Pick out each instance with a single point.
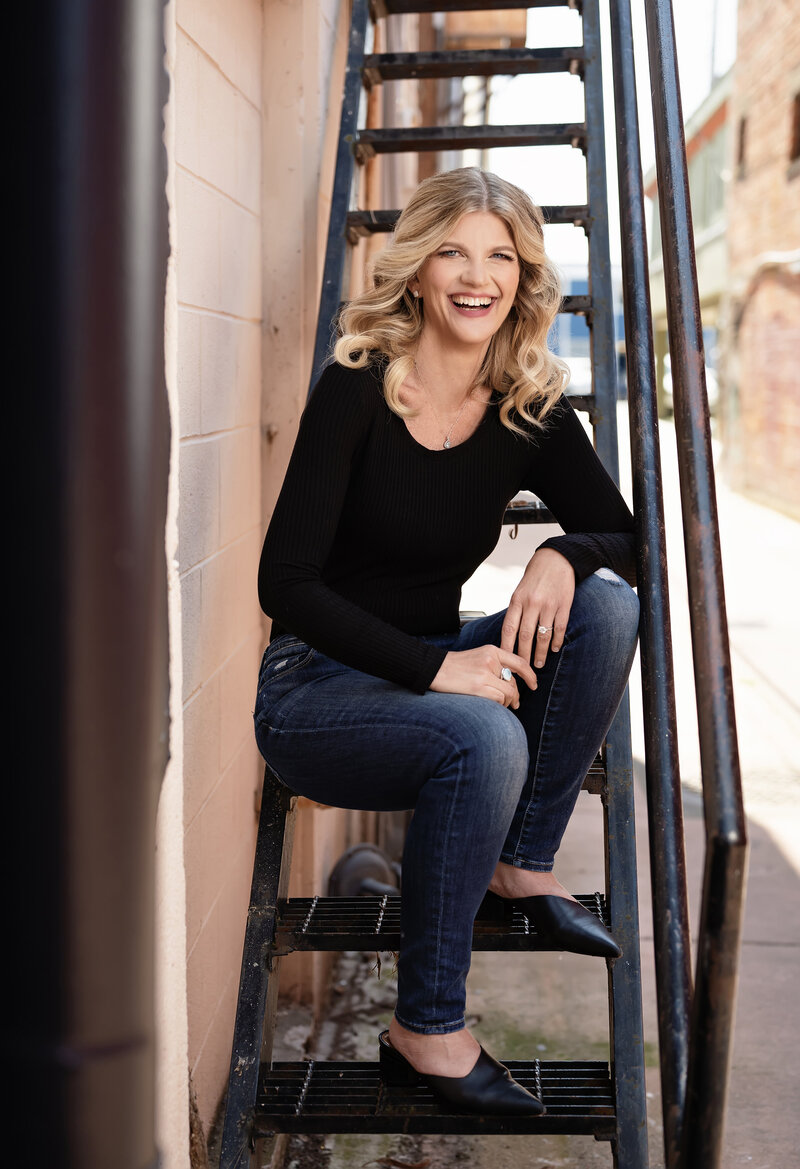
(336, 423)
(568, 476)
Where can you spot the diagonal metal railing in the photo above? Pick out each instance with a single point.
(695, 1025)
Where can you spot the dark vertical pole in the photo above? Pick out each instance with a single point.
(95, 584)
(257, 1001)
(625, 999)
(723, 885)
(667, 859)
(625, 979)
(604, 360)
(336, 247)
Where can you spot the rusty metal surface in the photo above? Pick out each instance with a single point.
(258, 984)
(667, 858)
(336, 249)
(604, 358)
(700, 1139)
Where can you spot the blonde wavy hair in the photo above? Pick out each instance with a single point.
(386, 320)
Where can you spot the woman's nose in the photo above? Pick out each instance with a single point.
(475, 271)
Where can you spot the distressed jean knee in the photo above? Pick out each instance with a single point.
(616, 602)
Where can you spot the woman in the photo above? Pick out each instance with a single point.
(444, 402)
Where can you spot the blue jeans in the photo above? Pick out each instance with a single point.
(486, 783)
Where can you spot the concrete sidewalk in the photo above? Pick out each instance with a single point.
(555, 1005)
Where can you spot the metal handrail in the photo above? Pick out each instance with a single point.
(665, 812)
(695, 1029)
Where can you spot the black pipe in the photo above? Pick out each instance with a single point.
(336, 250)
(665, 811)
(723, 886)
(94, 585)
(604, 360)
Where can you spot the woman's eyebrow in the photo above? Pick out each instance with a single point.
(462, 247)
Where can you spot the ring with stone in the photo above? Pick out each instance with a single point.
(506, 674)
(545, 628)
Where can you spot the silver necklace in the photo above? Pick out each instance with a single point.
(449, 434)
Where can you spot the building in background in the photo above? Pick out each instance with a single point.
(707, 150)
(760, 335)
(571, 338)
(743, 146)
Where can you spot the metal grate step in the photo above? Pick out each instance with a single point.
(380, 67)
(373, 923)
(329, 1097)
(418, 138)
(363, 223)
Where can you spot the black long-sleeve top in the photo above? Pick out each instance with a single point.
(373, 535)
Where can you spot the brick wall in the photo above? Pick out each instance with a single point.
(761, 411)
(767, 454)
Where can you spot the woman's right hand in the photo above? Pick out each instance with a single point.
(477, 671)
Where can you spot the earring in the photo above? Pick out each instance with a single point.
(415, 294)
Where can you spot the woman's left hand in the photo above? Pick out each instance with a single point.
(541, 600)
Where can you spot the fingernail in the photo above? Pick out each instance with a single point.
(538, 665)
(555, 648)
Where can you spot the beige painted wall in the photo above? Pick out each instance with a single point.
(302, 99)
(251, 132)
(250, 139)
(218, 120)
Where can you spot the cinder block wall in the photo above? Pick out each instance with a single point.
(305, 45)
(251, 149)
(217, 90)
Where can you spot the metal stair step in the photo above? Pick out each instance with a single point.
(380, 67)
(390, 7)
(576, 304)
(336, 1097)
(364, 223)
(419, 138)
(373, 923)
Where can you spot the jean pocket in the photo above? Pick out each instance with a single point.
(282, 657)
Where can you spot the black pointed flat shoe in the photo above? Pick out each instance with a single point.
(557, 920)
(487, 1090)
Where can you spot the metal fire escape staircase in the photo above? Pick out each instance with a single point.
(605, 1099)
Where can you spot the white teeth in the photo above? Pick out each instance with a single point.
(473, 301)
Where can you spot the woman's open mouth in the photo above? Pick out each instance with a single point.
(472, 305)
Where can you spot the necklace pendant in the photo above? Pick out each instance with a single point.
(446, 444)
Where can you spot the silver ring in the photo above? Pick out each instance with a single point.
(506, 674)
(545, 628)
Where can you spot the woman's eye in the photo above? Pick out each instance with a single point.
(448, 252)
(505, 256)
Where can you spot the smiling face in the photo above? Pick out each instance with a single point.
(468, 285)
